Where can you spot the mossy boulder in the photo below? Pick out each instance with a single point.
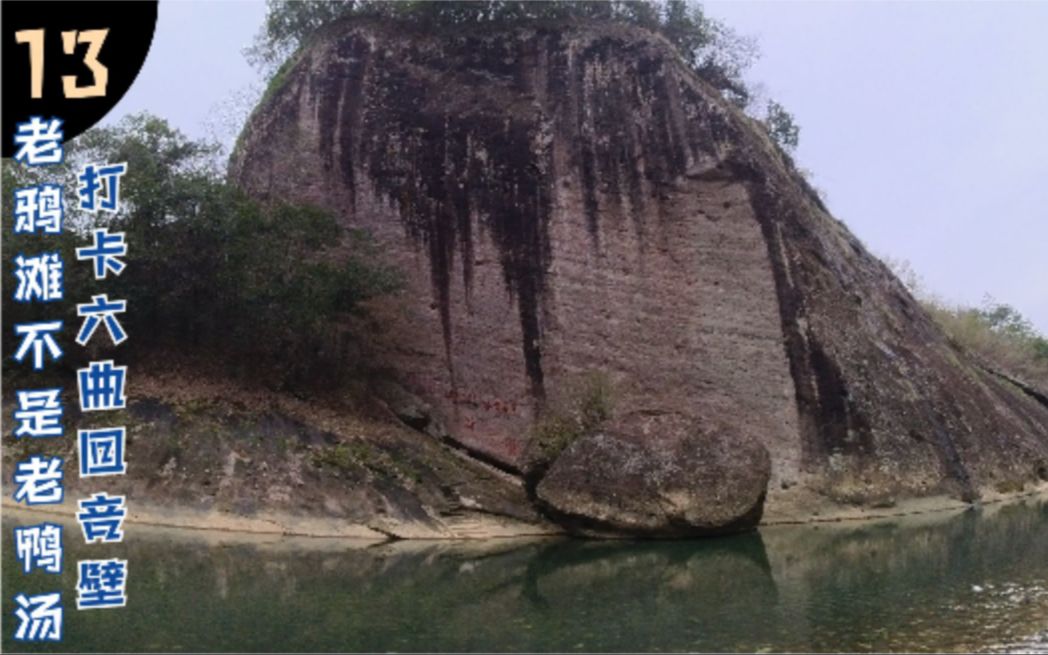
(663, 481)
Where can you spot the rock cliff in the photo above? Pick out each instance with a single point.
(574, 199)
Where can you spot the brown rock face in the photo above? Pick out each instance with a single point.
(575, 199)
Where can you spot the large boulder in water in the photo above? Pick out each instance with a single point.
(658, 480)
(574, 198)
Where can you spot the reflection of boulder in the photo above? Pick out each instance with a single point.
(676, 565)
(663, 479)
(655, 595)
(892, 586)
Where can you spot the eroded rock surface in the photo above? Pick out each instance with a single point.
(205, 450)
(575, 199)
(658, 481)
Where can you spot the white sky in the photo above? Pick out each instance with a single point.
(925, 123)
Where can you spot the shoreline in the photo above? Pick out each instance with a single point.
(269, 525)
(477, 527)
(826, 511)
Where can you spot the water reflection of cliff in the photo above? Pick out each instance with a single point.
(905, 585)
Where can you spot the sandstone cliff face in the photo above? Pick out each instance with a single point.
(575, 199)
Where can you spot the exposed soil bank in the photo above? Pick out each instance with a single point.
(209, 455)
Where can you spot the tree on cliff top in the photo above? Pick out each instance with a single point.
(997, 332)
(711, 48)
(781, 127)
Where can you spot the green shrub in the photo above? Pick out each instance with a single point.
(781, 127)
(339, 457)
(263, 291)
(1040, 349)
(578, 407)
(712, 49)
(358, 455)
(1013, 349)
(996, 332)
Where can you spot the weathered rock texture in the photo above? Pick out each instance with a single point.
(576, 199)
(658, 479)
(210, 455)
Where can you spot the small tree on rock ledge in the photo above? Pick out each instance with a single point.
(782, 129)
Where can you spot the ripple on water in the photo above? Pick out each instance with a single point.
(1035, 644)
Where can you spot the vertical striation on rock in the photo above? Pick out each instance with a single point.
(575, 199)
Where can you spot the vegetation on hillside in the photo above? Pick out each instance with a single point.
(781, 126)
(996, 332)
(712, 49)
(211, 274)
(579, 407)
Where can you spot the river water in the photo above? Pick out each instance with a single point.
(976, 580)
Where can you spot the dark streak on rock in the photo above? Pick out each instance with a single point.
(1040, 397)
(828, 418)
(792, 314)
(443, 170)
(445, 167)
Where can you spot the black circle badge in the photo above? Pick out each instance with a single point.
(70, 60)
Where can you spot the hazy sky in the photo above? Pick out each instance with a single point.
(925, 124)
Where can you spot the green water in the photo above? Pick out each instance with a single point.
(976, 580)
